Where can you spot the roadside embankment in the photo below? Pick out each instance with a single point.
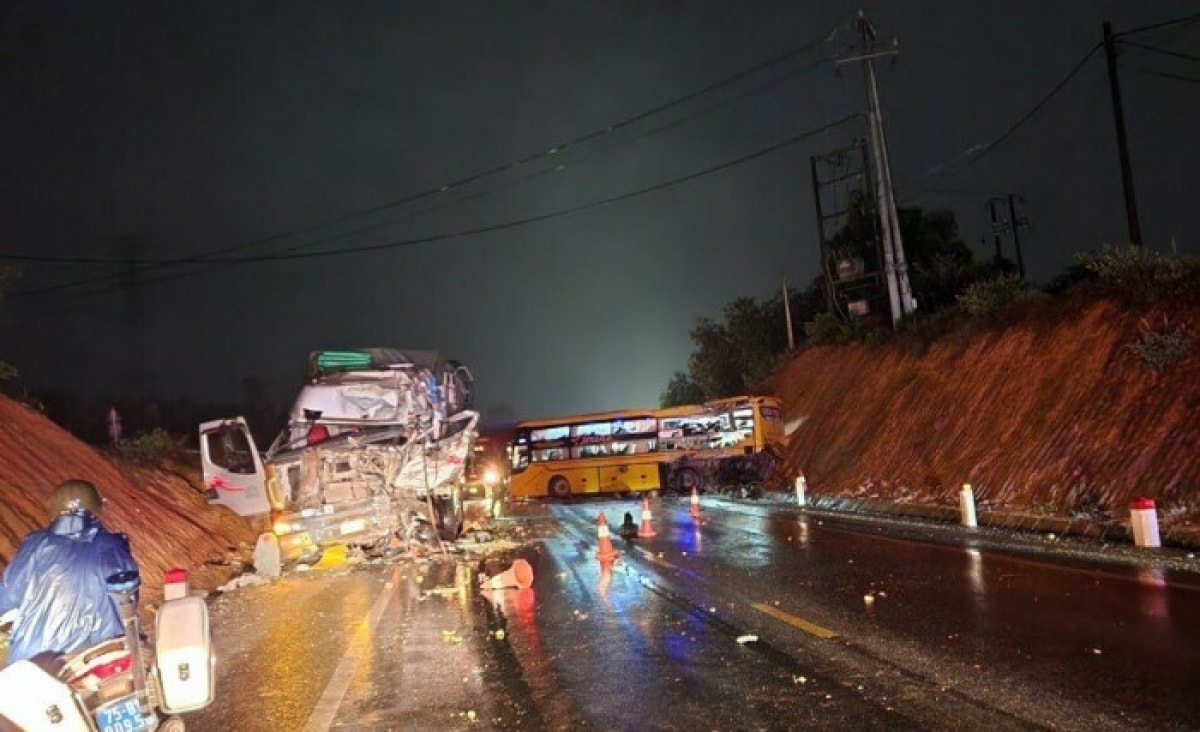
(1055, 419)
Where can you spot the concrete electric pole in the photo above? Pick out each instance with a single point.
(895, 268)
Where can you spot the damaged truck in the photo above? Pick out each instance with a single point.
(371, 455)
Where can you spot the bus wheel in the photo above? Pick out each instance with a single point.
(687, 479)
(559, 487)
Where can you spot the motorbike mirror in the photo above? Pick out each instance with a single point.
(125, 581)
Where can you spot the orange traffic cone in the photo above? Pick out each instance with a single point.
(646, 529)
(606, 553)
(695, 503)
(520, 574)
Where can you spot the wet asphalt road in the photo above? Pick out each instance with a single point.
(754, 617)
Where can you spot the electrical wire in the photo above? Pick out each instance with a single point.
(975, 153)
(1035, 109)
(1185, 20)
(552, 151)
(1162, 74)
(1163, 51)
(523, 221)
(553, 167)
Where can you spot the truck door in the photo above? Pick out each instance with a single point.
(233, 469)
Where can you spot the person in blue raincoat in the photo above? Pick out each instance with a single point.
(56, 580)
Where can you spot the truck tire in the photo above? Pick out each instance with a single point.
(559, 487)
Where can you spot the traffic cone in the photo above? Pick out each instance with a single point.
(520, 574)
(646, 529)
(606, 553)
(695, 504)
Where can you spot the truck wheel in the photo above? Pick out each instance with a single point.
(687, 479)
(559, 487)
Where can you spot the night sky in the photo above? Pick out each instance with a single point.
(610, 175)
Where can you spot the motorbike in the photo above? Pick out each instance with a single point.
(125, 684)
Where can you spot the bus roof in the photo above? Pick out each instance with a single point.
(588, 417)
(737, 401)
(716, 405)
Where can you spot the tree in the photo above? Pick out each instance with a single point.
(940, 266)
(681, 389)
(733, 355)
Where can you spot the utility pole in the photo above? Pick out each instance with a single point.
(787, 315)
(1014, 224)
(1114, 85)
(895, 268)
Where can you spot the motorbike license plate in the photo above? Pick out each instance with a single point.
(353, 527)
(122, 715)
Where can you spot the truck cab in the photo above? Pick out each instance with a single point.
(373, 449)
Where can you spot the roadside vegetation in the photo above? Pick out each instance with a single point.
(959, 298)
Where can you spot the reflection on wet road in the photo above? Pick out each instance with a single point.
(1113, 641)
(753, 617)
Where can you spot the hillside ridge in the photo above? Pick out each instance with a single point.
(1050, 414)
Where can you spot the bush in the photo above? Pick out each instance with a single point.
(151, 447)
(994, 297)
(1141, 274)
(827, 329)
(1159, 348)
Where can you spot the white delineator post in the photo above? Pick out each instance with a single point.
(966, 505)
(1143, 521)
(175, 584)
(801, 486)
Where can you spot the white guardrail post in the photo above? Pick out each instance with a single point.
(966, 505)
(1143, 522)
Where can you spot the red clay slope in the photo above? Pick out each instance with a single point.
(1052, 414)
(167, 519)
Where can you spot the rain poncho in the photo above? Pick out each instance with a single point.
(56, 583)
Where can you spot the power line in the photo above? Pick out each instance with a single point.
(529, 219)
(1163, 51)
(1162, 74)
(1185, 20)
(553, 168)
(1037, 107)
(975, 153)
(561, 212)
(554, 150)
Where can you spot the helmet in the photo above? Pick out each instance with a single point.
(72, 496)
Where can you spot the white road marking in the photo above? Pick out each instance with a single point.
(331, 699)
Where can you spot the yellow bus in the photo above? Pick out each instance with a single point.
(603, 452)
(738, 440)
(643, 450)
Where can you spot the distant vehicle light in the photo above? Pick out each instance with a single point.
(491, 476)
